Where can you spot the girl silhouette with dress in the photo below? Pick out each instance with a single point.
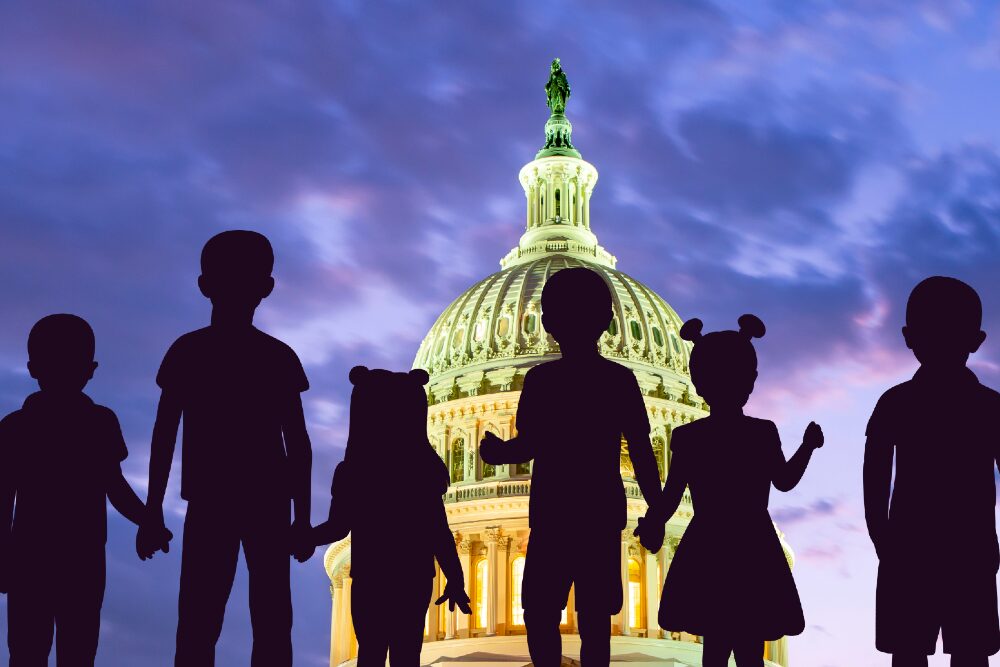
(729, 580)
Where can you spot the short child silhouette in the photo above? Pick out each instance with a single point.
(246, 457)
(60, 461)
(944, 480)
(571, 417)
(729, 580)
(418, 477)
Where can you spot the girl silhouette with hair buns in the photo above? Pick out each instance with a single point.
(729, 580)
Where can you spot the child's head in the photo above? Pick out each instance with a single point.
(724, 363)
(943, 320)
(236, 269)
(61, 353)
(386, 408)
(576, 306)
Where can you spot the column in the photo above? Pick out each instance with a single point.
(662, 558)
(652, 591)
(451, 631)
(345, 634)
(494, 534)
(625, 613)
(337, 592)
(432, 613)
(464, 623)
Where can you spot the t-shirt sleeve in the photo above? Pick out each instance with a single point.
(297, 380)
(529, 406)
(114, 441)
(635, 419)
(878, 423)
(173, 368)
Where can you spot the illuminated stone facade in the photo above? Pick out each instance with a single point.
(477, 353)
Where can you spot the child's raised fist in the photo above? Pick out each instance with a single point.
(813, 436)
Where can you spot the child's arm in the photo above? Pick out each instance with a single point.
(877, 481)
(496, 451)
(647, 474)
(299, 451)
(124, 499)
(338, 524)
(152, 528)
(451, 567)
(788, 473)
(651, 527)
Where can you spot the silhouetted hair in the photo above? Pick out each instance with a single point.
(245, 251)
(578, 297)
(946, 302)
(377, 392)
(61, 336)
(730, 351)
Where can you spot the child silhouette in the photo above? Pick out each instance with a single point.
(729, 560)
(571, 417)
(60, 460)
(246, 456)
(419, 477)
(944, 477)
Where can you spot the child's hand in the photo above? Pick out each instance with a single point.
(489, 447)
(151, 537)
(813, 436)
(650, 533)
(303, 542)
(455, 595)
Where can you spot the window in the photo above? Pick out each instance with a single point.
(673, 340)
(530, 323)
(456, 339)
(439, 348)
(634, 594)
(557, 201)
(516, 577)
(657, 336)
(503, 326)
(635, 329)
(480, 611)
(479, 333)
(522, 468)
(613, 327)
(489, 470)
(457, 459)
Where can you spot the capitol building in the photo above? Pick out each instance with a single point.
(477, 353)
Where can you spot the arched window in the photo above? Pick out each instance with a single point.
(503, 326)
(456, 339)
(557, 202)
(659, 451)
(635, 329)
(479, 332)
(516, 577)
(530, 323)
(657, 336)
(480, 610)
(613, 327)
(634, 594)
(458, 459)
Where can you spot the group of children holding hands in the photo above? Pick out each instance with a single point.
(246, 463)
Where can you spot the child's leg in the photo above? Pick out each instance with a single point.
(30, 620)
(78, 613)
(208, 564)
(909, 660)
(965, 660)
(715, 651)
(544, 641)
(368, 613)
(265, 545)
(749, 653)
(595, 638)
(408, 637)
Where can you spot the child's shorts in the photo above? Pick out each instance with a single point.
(553, 563)
(960, 603)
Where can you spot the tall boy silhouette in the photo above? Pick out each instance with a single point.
(944, 477)
(570, 420)
(245, 456)
(60, 460)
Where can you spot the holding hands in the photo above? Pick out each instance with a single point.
(153, 536)
(650, 532)
(303, 543)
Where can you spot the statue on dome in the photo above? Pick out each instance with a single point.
(557, 88)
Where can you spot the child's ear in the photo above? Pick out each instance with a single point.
(978, 341)
(358, 375)
(906, 337)
(203, 285)
(31, 371)
(420, 375)
(268, 287)
(93, 367)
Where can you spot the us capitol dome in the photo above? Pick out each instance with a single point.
(477, 353)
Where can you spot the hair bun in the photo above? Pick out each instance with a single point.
(751, 326)
(358, 374)
(420, 375)
(692, 330)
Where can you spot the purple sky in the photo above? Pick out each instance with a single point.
(807, 161)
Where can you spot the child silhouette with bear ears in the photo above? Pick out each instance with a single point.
(729, 580)
(60, 461)
(246, 457)
(407, 464)
(570, 420)
(945, 471)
